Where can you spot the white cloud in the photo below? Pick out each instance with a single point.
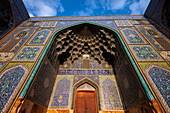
(85, 12)
(31, 15)
(44, 7)
(113, 4)
(139, 7)
(92, 5)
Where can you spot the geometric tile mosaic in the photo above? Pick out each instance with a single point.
(11, 79)
(140, 22)
(49, 24)
(132, 36)
(28, 53)
(32, 24)
(20, 33)
(111, 97)
(159, 78)
(40, 37)
(145, 53)
(165, 55)
(61, 91)
(6, 56)
(123, 23)
(18, 45)
(85, 72)
(150, 33)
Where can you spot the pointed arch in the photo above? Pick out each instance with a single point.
(91, 83)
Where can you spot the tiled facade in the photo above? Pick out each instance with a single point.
(31, 40)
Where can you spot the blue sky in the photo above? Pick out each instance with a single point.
(85, 7)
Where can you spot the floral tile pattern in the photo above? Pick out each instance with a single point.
(40, 37)
(6, 56)
(28, 53)
(145, 53)
(132, 36)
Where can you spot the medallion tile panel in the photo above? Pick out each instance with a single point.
(60, 97)
(40, 37)
(123, 23)
(28, 53)
(49, 24)
(132, 36)
(22, 33)
(11, 79)
(6, 56)
(110, 93)
(150, 33)
(145, 53)
(159, 78)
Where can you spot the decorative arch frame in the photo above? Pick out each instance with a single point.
(81, 82)
(140, 76)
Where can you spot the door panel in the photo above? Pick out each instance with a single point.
(85, 102)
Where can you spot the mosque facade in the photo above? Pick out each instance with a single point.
(84, 64)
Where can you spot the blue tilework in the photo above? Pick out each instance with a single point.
(160, 79)
(107, 23)
(150, 33)
(28, 53)
(10, 81)
(132, 36)
(17, 46)
(6, 56)
(123, 23)
(92, 78)
(61, 94)
(135, 22)
(145, 53)
(40, 37)
(2, 64)
(32, 24)
(111, 96)
(86, 18)
(85, 72)
(64, 24)
(49, 24)
(15, 35)
(49, 28)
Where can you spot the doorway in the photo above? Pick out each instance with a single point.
(86, 101)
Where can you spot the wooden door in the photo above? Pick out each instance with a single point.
(86, 101)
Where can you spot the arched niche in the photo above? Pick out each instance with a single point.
(79, 86)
